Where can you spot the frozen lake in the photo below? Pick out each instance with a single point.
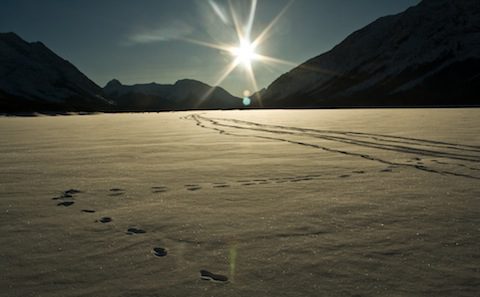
(375, 202)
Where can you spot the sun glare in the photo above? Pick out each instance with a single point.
(245, 53)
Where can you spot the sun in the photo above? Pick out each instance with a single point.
(245, 53)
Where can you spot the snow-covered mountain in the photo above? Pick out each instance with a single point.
(33, 78)
(427, 55)
(184, 94)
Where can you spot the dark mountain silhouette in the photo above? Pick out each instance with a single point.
(184, 94)
(427, 55)
(33, 78)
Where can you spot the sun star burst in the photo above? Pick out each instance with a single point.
(245, 53)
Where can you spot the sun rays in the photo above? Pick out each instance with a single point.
(244, 52)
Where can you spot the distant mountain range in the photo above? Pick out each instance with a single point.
(184, 94)
(427, 55)
(33, 78)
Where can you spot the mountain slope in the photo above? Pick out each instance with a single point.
(427, 55)
(184, 94)
(33, 78)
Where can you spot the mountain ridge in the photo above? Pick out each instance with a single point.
(35, 78)
(183, 94)
(426, 55)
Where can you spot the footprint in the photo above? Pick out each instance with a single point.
(116, 192)
(193, 187)
(159, 189)
(63, 196)
(248, 184)
(131, 231)
(104, 220)
(159, 252)
(67, 194)
(72, 192)
(207, 275)
(88, 210)
(358, 171)
(344, 176)
(221, 186)
(386, 170)
(66, 203)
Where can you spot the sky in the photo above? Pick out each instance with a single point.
(164, 41)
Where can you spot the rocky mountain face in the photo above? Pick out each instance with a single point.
(184, 94)
(427, 55)
(33, 78)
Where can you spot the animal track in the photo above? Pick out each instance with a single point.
(66, 203)
(207, 275)
(67, 194)
(193, 187)
(160, 252)
(131, 231)
(366, 141)
(72, 192)
(66, 197)
(104, 220)
(159, 189)
(88, 210)
(116, 192)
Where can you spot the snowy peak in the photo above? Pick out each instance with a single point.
(35, 78)
(426, 55)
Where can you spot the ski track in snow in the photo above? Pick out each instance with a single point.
(419, 151)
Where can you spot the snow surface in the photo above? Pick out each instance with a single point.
(285, 203)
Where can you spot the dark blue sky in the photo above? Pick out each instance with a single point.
(143, 41)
